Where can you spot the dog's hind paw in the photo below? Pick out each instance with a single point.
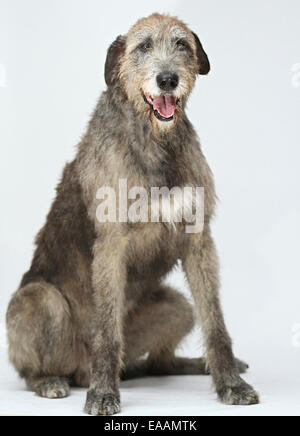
(242, 366)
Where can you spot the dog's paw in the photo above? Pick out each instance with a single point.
(238, 394)
(53, 388)
(98, 404)
(242, 366)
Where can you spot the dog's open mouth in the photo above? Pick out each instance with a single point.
(163, 106)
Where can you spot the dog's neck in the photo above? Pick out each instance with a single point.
(158, 159)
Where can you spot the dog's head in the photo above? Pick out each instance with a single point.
(157, 63)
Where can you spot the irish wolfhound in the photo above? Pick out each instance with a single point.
(93, 303)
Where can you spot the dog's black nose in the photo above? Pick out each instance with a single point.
(167, 81)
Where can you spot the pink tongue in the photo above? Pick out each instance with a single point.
(165, 105)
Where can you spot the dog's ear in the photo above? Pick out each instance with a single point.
(204, 65)
(112, 65)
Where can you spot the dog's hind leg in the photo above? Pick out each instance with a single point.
(172, 366)
(41, 340)
(157, 328)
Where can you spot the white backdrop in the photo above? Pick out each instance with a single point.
(246, 111)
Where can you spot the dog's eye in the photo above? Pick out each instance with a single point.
(145, 46)
(181, 44)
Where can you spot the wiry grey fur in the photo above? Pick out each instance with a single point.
(93, 302)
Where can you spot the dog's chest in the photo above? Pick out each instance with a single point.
(153, 251)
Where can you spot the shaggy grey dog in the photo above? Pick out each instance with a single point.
(93, 302)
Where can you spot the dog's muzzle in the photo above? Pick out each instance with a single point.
(163, 106)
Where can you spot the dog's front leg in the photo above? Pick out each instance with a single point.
(109, 276)
(202, 270)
